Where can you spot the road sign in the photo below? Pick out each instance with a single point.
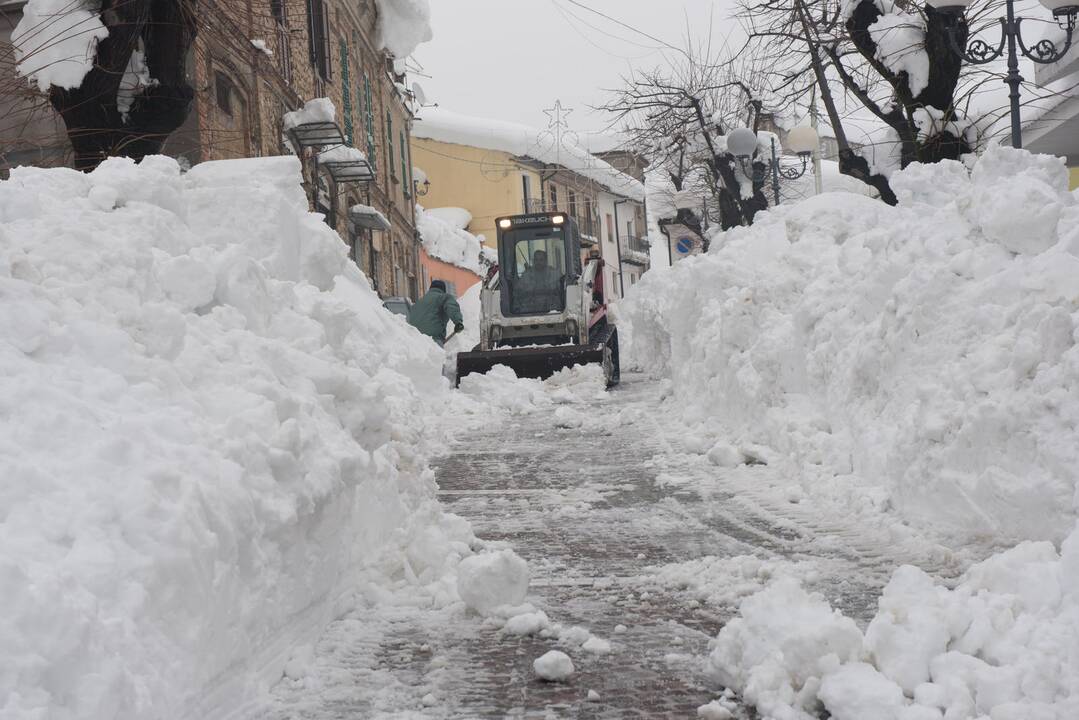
(684, 245)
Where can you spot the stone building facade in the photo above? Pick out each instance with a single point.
(255, 61)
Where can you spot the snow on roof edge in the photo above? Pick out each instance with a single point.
(520, 140)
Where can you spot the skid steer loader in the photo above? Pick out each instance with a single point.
(541, 308)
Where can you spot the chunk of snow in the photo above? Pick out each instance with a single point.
(596, 645)
(1000, 645)
(341, 154)
(492, 579)
(726, 455)
(55, 42)
(444, 240)
(553, 666)
(403, 25)
(858, 692)
(262, 46)
(714, 711)
(455, 217)
(900, 41)
(313, 111)
(529, 623)
(593, 696)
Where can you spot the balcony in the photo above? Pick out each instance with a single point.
(635, 250)
(589, 227)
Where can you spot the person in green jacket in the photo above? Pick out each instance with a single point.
(431, 313)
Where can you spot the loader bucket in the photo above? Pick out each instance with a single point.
(540, 362)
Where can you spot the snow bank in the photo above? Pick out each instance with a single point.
(55, 42)
(444, 240)
(403, 25)
(208, 424)
(919, 358)
(450, 127)
(1001, 645)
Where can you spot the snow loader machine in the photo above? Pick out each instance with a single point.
(542, 308)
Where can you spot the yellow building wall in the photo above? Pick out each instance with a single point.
(487, 183)
(1074, 178)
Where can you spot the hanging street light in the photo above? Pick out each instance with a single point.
(979, 52)
(803, 140)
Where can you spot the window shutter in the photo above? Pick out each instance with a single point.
(346, 95)
(405, 174)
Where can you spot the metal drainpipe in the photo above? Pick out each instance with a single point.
(618, 247)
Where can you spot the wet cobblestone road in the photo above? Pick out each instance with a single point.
(589, 514)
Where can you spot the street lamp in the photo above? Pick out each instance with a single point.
(979, 52)
(803, 140)
(421, 188)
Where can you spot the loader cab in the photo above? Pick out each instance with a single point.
(539, 255)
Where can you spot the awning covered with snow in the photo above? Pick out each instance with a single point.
(365, 216)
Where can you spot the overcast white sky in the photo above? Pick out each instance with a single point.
(511, 59)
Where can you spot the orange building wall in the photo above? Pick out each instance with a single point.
(437, 270)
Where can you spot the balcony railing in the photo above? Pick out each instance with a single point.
(635, 250)
(588, 226)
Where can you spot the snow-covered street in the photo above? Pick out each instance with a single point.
(733, 379)
(638, 552)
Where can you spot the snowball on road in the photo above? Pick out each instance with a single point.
(553, 666)
(491, 580)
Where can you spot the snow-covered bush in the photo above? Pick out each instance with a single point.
(928, 349)
(208, 426)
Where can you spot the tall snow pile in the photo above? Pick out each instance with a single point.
(920, 358)
(404, 25)
(55, 42)
(445, 238)
(208, 426)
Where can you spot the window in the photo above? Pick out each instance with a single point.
(319, 35)
(224, 93)
(284, 39)
(610, 228)
(535, 261)
(573, 204)
(554, 197)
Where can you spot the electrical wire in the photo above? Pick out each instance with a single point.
(616, 21)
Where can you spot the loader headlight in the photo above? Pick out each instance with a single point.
(496, 333)
(558, 219)
(505, 223)
(571, 328)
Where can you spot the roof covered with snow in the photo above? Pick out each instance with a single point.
(404, 25)
(524, 141)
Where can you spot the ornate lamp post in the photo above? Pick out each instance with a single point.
(979, 52)
(742, 143)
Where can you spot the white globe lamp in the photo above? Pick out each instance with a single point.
(803, 140)
(742, 142)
